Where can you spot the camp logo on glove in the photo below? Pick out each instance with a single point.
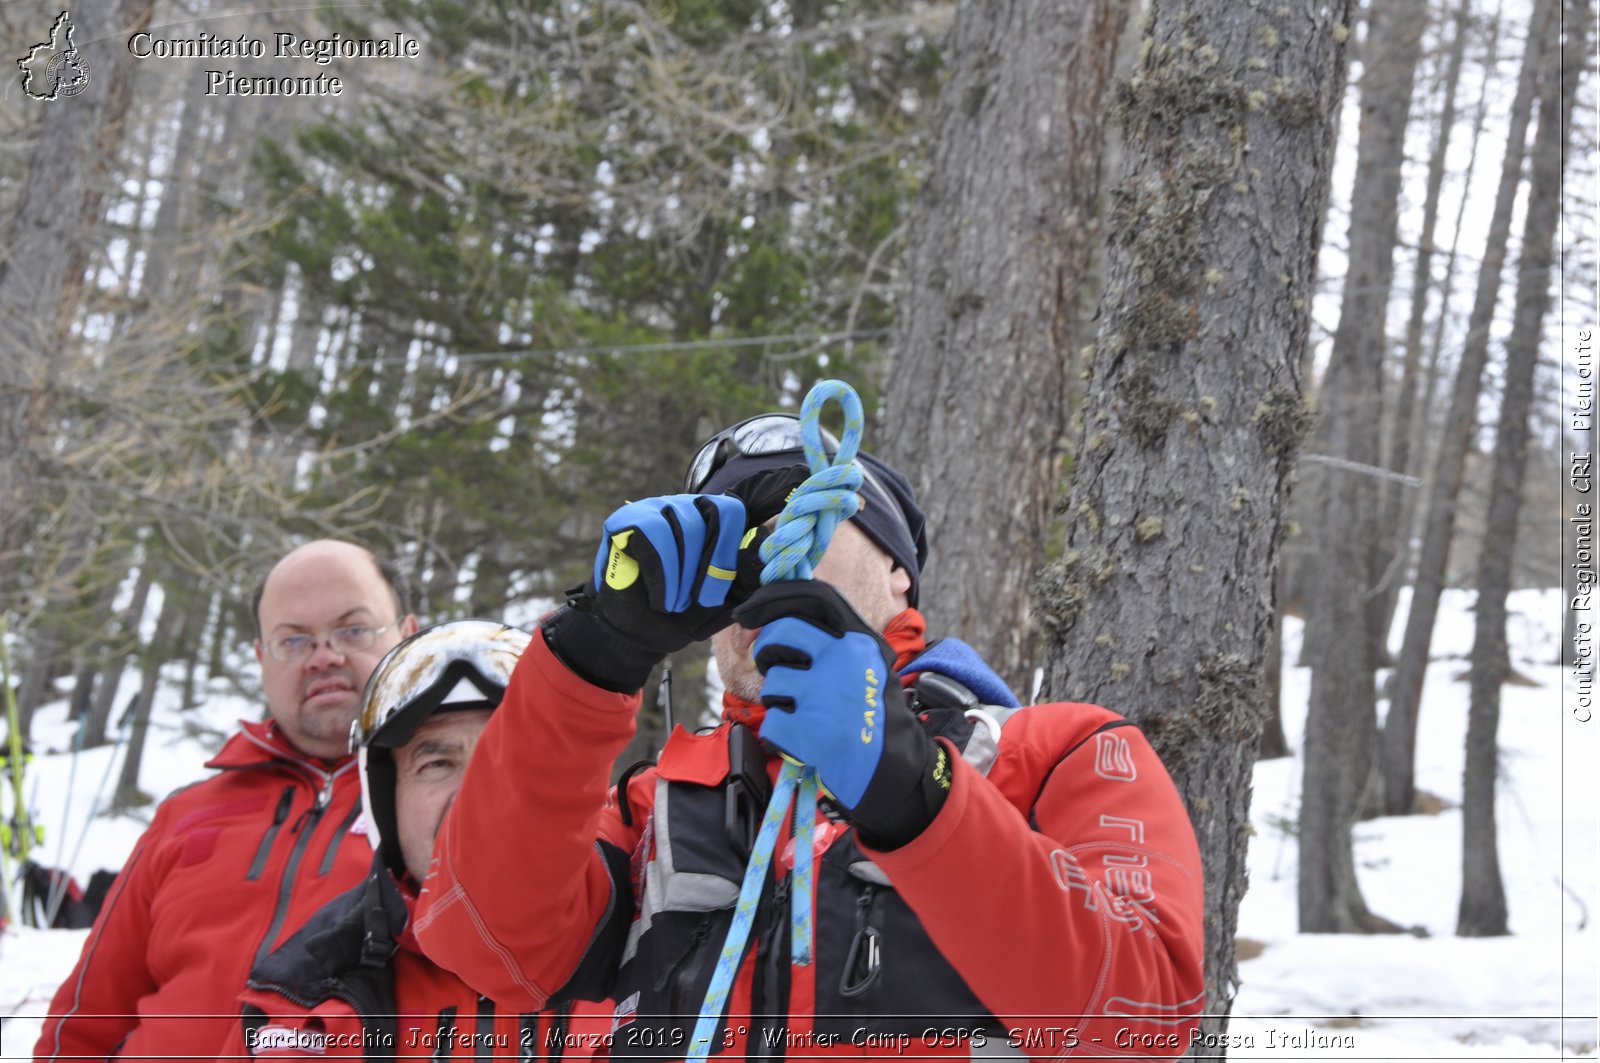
(621, 570)
(834, 703)
(870, 716)
(941, 768)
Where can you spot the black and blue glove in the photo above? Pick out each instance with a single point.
(834, 702)
(669, 571)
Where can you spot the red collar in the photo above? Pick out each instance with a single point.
(905, 635)
(261, 742)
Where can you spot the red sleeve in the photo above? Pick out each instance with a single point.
(274, 1028)
(97, 1006)
(518, 886)
(1089, 927)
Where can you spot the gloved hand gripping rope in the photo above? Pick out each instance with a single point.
(801, 537)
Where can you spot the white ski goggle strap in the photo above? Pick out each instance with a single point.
(767, 433)
(465, 663)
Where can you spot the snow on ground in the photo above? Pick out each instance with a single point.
(1441, 996)
(1305, 996)
(63, 796)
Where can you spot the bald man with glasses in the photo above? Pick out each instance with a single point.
(234, 864)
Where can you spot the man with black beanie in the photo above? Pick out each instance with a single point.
(987, 879)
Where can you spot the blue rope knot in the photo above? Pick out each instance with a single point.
(805, 527)
(829, 495)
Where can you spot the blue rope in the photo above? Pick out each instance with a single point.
(828, 496)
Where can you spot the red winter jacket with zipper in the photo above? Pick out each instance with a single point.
(1053, 907)
(228, 869)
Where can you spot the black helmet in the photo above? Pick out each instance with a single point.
(461, 664)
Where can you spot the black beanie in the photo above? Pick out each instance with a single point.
(889, 514)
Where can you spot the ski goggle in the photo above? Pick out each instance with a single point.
(767, 433)
(461, 664)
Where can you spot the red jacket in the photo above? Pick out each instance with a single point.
(353, 984)
(227, 869)
(1054, 905)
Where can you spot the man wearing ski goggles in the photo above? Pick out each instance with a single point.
(988, 878)
(352, 982)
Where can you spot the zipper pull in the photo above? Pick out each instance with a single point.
(318, 806)
(700, 933)
(865, 956)
(777, 912)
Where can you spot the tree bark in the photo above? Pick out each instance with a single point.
(1162, 604)
(1483, 898)
(1341, 643)
(1002, 236)
(1400, 726)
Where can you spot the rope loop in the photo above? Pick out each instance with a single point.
(805, 527)
(829, 495)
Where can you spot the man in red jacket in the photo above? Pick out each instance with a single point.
(232, 865)
(985, 878)
(352, 984)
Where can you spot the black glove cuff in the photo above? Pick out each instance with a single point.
(596, 652)
(900, 804)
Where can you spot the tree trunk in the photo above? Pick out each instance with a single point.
(51, 215)
(182, 641)
(224, 637)
(1397, 510)
(44, 664)
(82, 690)
(123, 641)
(1483, 896)
(1274, 743)
(90, 645)
(47, 252)
(127, 794)
(1341, 643)
(1162, 605)
(1400, 727)
(1426, 424)
(160, 273)
(203, 618)
(1002, 236)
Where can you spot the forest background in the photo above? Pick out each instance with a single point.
(1180, 317)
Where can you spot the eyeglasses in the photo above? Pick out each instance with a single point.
(767, 433)
(351, 638)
